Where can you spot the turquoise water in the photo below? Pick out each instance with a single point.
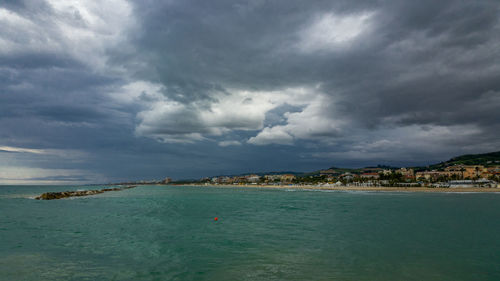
(168, 233)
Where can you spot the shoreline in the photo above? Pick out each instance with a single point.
(355, 188)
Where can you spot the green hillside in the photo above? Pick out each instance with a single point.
(486, 159)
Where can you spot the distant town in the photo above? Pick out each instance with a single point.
(480, 170)
(453, 176)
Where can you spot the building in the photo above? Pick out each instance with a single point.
(370, 176)
(239, 179)
(330, 178)
(491, 172)
(253, 178)
(287, 178)
(473, 172)
(272, 178)
(347, 176)
(429, 175)
(454, 171)
(386, 172)
(408, 174)
(226, 180)
(472, 183)
(466, 171)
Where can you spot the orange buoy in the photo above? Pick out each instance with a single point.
(216, 219)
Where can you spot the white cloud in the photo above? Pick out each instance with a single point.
(22, 150)
(330, 31)
(276, 135)
(229, 143)
(316, 121)
(171, 121)
(175, 122)
(60, 153)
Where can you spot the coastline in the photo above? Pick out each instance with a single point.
(354, 188)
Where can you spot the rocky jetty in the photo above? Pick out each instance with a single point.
(67, 194)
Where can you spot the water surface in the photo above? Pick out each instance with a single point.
(168, 233)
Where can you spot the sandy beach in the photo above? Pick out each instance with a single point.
(355, 188)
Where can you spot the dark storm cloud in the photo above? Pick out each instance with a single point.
(195, 46)
(420, 59)
(432, 63)
(54, 98)
(66, 94)
(414, 79)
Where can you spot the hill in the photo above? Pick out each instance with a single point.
(485, 159)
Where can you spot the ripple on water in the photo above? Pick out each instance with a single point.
(168, 233)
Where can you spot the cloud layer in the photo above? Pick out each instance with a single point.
(137, 86)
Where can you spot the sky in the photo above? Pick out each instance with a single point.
(107, 91)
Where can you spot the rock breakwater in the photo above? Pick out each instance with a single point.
(67, 194)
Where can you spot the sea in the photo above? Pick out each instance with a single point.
(170, 233)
